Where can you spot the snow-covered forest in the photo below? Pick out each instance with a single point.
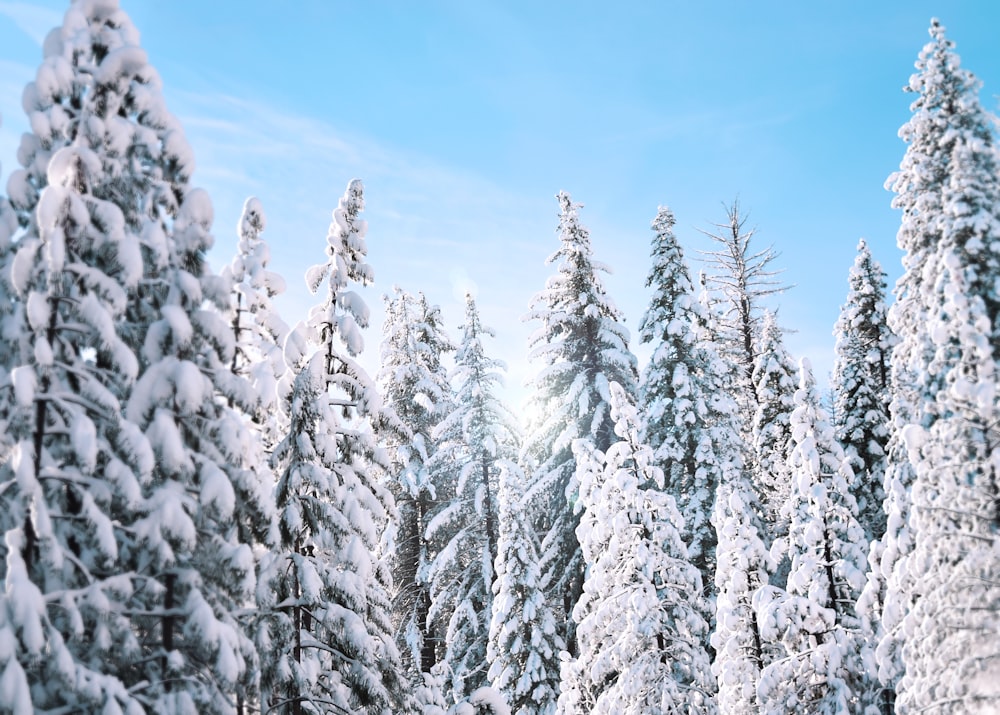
(211, 507)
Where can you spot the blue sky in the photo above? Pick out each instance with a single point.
(464, 118)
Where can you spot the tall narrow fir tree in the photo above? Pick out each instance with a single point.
(582, 345)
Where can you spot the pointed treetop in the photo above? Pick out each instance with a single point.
(574, 236)
(252, 220)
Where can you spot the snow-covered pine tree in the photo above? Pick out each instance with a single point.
(524, 645)
(482, 701)
(681, 395)
(582, 345)
(330, 642)
(258, 331)
(71, 482)
(947, 317)
(8, 329)
(95, 89)
(740, 280)
(775, 377)
(885, 599)
(861, 386)
(479, 431)
(821, 669)
(428, 696)
(11, 346)
(96, 92)
(257, 364)
(893, 587)
(640, 620)
(414, 381)
(743, 563)
(203, 503)
(743, 567)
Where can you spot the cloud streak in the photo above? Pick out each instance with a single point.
(31, 19)
(428, 221)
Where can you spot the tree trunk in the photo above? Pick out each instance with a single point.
(296, 697)
(170, 582)
(423, 604)
(491, 529)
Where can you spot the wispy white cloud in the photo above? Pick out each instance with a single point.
(433, 227)
(33, 20)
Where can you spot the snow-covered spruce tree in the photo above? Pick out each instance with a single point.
(482, 701)
(330, 645)
(11, 346)
(947, 318)
(257, 362)
(885, 598)
(203, 503)
(582, 345)
(892, 588)
(861, 386)
(742, 568)
(640, 623)
(821, 669)
(775, 377)
(862, 394)
(524, 646)
(680, 393)
(10, 329)
(95, 91)
(428, 697)
(479, 431)
(740, 279)
(71, 482)
(743, 563)
(258, 330)
(415, 384)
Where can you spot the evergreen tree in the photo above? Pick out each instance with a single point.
(640, 624)
(429, 696)
(524, 645)
(947, 317)
(185, 568)
(821, 669)
(11, 346)
(472, 439)
(741, 279)
(861, 386)
(582, 344)
(482, 701)
(95, 89)
(258, 331)
(681, 393)
(257, 363)
(329, 628)
(203, 503)
(415, 383)
(743, 565)
(73, 474)
(9, 328)
(775, 377)
(885, 599)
